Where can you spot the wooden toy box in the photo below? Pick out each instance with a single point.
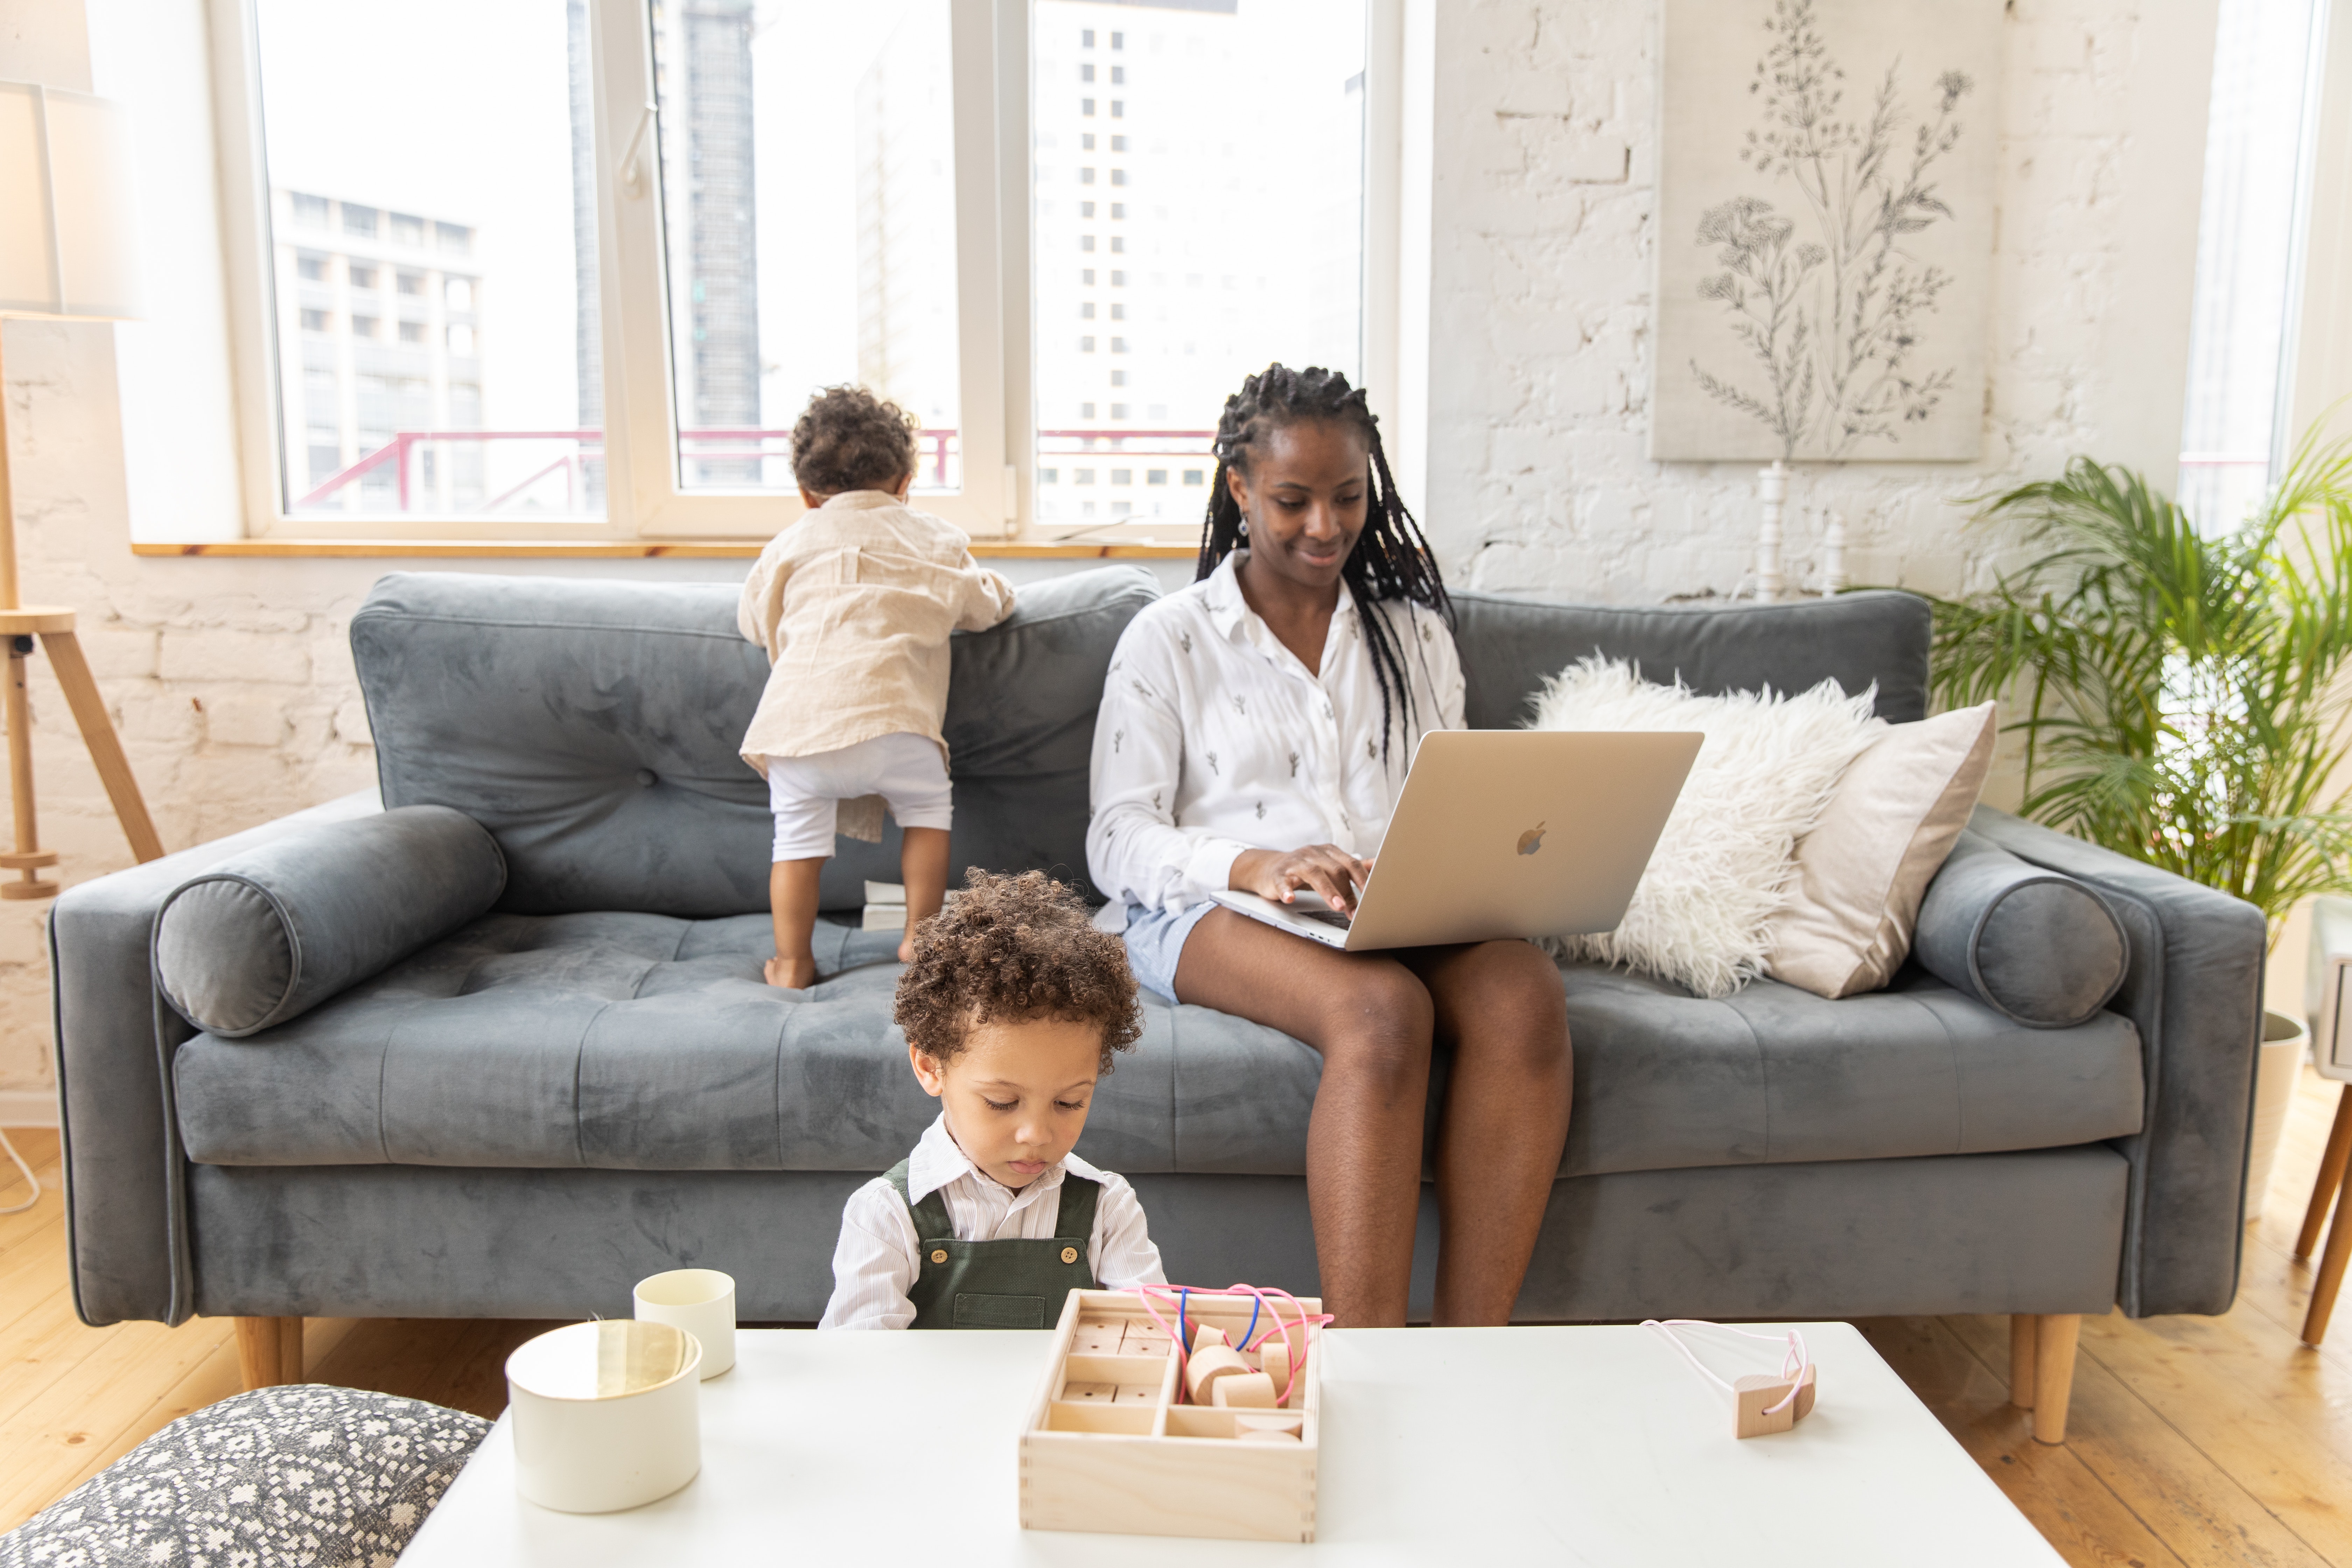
(1106, 1447)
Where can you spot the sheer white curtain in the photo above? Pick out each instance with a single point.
(2233, 439)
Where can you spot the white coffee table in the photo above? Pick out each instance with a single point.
(1556, 1446)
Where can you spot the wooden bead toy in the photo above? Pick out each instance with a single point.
(1264, 1434)
(1761, 1403)
(1207, 1367)
(1248, 1390)
(1087, 1392)
(1248, 1421)
(1207, 1334)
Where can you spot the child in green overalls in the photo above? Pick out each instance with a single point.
(1012, 1007)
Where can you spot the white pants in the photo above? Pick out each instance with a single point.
(907, 770)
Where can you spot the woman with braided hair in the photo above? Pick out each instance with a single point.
(1255, 732)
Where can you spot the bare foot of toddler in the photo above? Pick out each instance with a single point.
(791, 974)
(906, 950)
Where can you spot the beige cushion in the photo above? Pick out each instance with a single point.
(1866, 864)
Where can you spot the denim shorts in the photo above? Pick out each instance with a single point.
(1155, 941)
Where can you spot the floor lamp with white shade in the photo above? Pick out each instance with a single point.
(67, 253)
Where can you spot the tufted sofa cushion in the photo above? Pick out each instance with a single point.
(593, 728)
(646, 1042)
(1510, 646)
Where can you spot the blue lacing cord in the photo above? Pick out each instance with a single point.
(1183, 1335)
(1256, 1302)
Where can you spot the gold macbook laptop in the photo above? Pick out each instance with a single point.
(1505, 833)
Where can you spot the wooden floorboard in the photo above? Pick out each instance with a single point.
(2192, 1441)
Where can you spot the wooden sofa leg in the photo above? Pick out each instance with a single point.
(2021, 1341)
(259, 1358)
(2055, 1335)
(290, 1349)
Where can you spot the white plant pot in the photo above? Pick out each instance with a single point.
(2284, 1043)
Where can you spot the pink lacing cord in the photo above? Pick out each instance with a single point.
(1794, 1360)
(1262, 1296)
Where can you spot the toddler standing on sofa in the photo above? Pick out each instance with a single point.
(853, 604)
(1012, 1007)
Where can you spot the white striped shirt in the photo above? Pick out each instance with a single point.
(875, 1263)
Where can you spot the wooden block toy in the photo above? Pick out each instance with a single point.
(1142, 1463)
(1205, 1368)
(1759, 1392)
(1098, 1338)
(1247, 1390)
(1274, 1360)
(1207, 1334)
(1141, 1336)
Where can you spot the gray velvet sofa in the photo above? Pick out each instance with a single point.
(584, 1081)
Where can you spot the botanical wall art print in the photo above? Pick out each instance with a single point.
(1824, 239)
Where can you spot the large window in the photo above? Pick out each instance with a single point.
(426, 298)
(571, 268)
(1199, 212)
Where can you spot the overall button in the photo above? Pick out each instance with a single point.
(938, 1254)
(1069, 1255)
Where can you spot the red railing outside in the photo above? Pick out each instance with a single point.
(398, 456)
(940, 447)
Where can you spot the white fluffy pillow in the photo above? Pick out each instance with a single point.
(1702, 916)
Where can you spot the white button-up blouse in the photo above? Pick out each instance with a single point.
(1213, 739)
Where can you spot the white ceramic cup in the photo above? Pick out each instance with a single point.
(606, 1415)
(699, 1300)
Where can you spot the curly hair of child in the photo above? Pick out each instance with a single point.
(849, 439)
(1011, 949)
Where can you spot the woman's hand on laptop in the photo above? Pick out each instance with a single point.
(1277, 874)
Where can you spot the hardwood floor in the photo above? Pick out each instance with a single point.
(2193, 1441)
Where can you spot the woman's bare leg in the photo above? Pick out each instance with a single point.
(923, 867)
(1370, 1019)
(1500, 1006)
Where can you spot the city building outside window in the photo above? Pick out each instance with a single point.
(754, 229)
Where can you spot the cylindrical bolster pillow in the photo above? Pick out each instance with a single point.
(2040, 947)
(270, 934)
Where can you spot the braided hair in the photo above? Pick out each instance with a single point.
(1391, 560)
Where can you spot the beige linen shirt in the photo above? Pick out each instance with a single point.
(853, 604)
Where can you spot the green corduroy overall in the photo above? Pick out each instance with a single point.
(1019, 1283)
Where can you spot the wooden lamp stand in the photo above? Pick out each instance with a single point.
(19, 624)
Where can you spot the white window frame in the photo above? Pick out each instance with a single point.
(992, 74)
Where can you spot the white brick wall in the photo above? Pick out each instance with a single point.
(231, 680)
(1542, 253)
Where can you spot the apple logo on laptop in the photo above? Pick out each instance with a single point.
(1532, 839)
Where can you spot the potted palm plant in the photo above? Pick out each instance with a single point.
(2180, 691)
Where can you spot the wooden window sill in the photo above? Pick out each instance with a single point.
(632, 549)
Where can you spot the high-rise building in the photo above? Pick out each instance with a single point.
(380, 326)
(904, 141)
(702, 65)
(1174, 250)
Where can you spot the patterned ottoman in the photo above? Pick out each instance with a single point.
(302, 1474)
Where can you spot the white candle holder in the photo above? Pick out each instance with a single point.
(1773, 487)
